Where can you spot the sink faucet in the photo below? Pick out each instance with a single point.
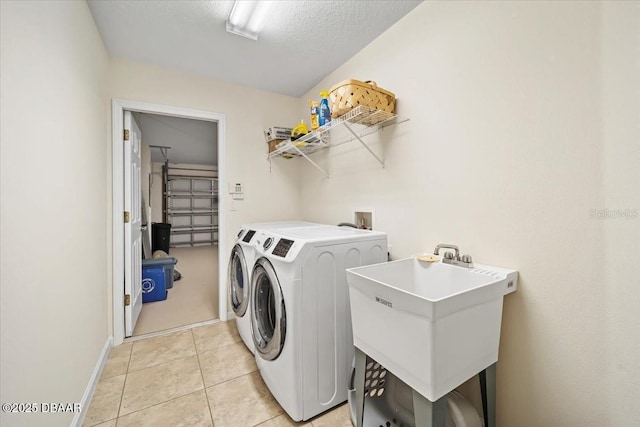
(454, 259)
(445, 246)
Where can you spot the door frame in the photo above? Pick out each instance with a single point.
(117, 191)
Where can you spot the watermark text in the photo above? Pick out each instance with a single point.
(42, 407)
(614, 213)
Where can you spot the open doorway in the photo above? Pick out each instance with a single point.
(194, 165)
(179, 182)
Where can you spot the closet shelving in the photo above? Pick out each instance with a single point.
(354, 125)
(191, 207)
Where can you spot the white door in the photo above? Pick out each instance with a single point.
(132, 227)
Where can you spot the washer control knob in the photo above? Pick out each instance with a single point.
(267, 243)
(240, 233)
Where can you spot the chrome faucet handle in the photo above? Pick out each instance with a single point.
(454, 259)
(446, 246)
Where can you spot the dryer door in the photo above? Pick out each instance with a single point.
(268, 314)
(239, 285)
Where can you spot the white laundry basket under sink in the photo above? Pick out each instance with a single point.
(389, 402)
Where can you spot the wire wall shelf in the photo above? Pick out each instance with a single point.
(354, 125)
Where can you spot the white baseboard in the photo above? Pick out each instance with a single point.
(78, 419)
(231, 315)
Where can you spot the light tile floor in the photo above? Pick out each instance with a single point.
(204, 376)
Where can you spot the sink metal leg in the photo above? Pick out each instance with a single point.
(358, 384)
(427, 413)
(488, 390)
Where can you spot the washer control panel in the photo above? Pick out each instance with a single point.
(247, 237)
(267, 243)
(282, 248)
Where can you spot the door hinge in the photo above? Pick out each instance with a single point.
(127, 300)
(127, 217)
(126, 134)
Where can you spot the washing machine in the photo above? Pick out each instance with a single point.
(241, 263)
(300, 312)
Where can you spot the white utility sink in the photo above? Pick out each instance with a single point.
(433, 325)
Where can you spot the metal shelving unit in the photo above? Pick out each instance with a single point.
(354, 125)
(191, 207)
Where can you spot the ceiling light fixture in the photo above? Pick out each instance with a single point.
(247, 17)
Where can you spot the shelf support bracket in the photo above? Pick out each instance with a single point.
(311, 161)
(346, 125)
(163, 150)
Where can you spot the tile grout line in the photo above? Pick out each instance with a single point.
(197, 353)
(234, 378)
(121, 393)
(126, 375)
(204, 384)
(231, 379)
(222, 346)
(157, 404)
(219, 347)
(172, 330)
(266, 421)
(154, 366)
(163, 363)
(129, 370)
(237, 376)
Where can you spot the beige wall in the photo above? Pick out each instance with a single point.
(54, 212)
(503, 156)
(268, 191)
(621, 155)
(271, 191)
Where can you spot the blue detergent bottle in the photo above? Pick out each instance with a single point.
(325, 113)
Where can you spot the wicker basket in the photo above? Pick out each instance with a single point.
(348, 94)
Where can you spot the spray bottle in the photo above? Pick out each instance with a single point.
(315, 124)
(325, 113)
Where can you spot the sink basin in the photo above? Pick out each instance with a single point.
(433, 325)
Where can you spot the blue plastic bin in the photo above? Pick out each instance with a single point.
(154, 286)
(167, 263)
(157, 277)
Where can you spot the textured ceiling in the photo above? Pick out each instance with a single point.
(302, 41)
